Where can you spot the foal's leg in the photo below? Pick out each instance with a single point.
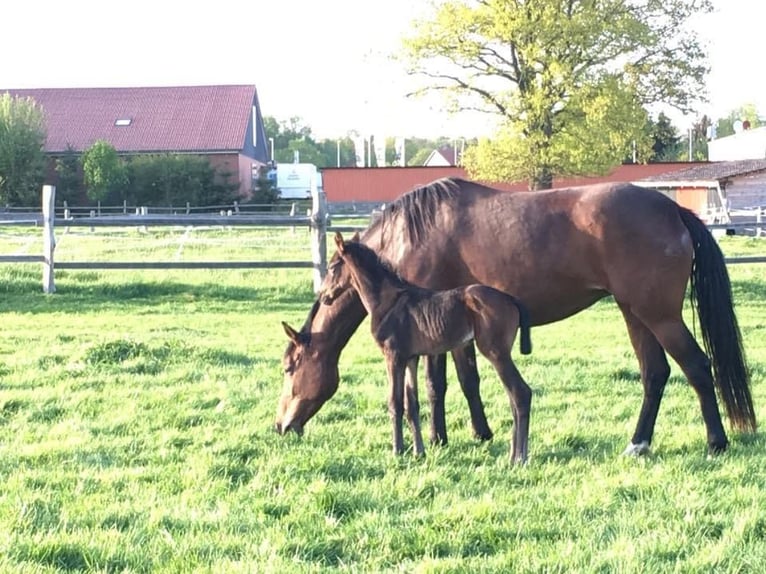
(468, 375)
(520, 396)
(412, 406)
(654, 374)
(395, 367)
(436, 387)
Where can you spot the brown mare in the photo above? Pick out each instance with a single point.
(409, 321)
(558, 251)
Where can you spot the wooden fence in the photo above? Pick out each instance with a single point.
(317, 219)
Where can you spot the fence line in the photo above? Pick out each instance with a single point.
(317, 219)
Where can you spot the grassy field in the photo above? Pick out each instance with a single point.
(136, 413)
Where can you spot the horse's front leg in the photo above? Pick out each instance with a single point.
(412, 406)
(395, 367)
(436, 387)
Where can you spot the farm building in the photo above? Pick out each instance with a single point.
(222, 123)
(742, 182)
(745, 144)
(378, 185)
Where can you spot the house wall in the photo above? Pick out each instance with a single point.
(746, 191)
(748, 144)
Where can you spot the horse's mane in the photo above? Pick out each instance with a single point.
(419, 207)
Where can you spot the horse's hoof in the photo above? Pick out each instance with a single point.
(639, 449)
(716, 448)
(484, 437)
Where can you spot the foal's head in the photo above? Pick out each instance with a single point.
(338, 278)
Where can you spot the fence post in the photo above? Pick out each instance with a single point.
(49, 239)
(318, 234)
(758, 219)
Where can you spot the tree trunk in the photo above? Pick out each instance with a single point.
(542, 179)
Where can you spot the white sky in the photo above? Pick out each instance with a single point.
(321, 60)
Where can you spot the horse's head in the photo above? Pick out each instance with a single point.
(338, 278)
(311, 377)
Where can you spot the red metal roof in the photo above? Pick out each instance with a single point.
(387, 183)
(162, 119)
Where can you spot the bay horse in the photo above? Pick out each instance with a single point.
(408, 322)
(559, 251)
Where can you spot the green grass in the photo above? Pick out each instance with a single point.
(135, 436)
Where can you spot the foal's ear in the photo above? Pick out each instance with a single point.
(355, 238)
(339, 241)
(292, 333)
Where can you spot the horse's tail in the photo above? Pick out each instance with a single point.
(525, 341)
(711, 292)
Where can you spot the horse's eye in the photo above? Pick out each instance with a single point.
(289, 369)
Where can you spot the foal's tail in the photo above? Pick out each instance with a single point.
(711, 291)
(525, 341)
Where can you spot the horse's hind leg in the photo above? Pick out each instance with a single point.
(412, 406)
(654, 375)
(468, 375)
(520, 396)
(680, 344)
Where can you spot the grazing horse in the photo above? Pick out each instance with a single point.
(409, 321)
(558, 251)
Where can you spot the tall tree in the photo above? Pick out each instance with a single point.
(568, 79)
(666, 144)
(22, 160)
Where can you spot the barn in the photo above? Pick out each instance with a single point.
(222, 123)
(742, 182)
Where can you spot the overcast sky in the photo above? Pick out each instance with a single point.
(322, 60)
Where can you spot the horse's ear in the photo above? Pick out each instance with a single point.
(292, 333)
(339, 241)
(355, 238)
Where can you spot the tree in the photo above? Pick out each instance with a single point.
(69, 185)
(103, 170)
(568, 79)
(746, 113)
(22, 159)
(666, 144)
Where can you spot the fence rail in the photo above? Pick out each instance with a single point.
(316, 219)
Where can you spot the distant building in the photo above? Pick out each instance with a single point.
(221, 123)
(443, 157)
(747, 144)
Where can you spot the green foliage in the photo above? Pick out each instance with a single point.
(103, 170)
(22, 161)
(69, 186)
(747, 112)
(265, 189)
(173, 180)
(568, 80)
(137, 438)
(667, 143)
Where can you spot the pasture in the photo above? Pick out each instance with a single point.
(136, 412)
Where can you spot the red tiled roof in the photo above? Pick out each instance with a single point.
(162, 119)
(387, 183)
